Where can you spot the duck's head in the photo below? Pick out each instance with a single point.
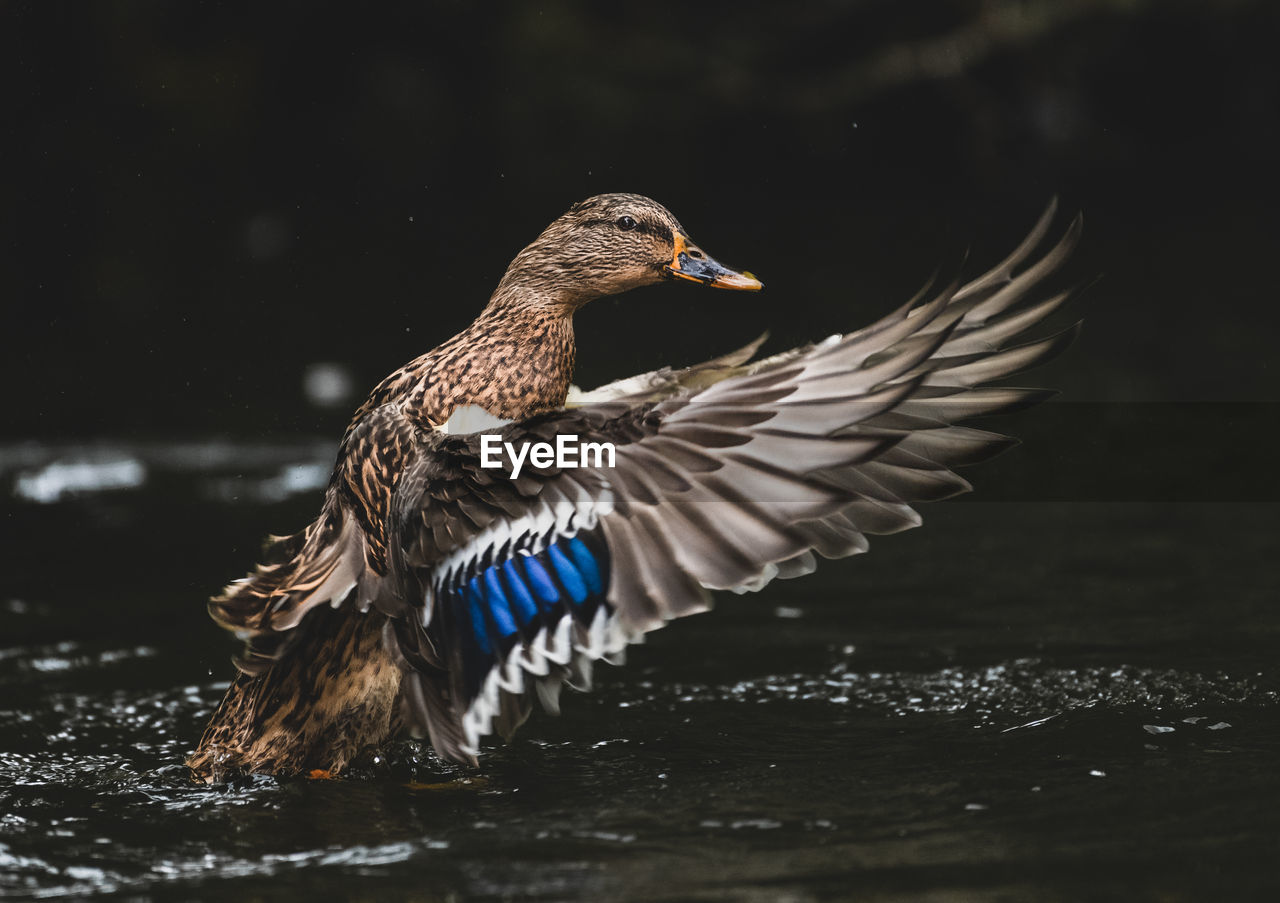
(608, 244)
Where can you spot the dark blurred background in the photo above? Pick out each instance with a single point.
(203, 200)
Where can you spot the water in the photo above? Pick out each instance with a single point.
(1020, 700)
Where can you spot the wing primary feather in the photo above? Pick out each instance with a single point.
(728, 474)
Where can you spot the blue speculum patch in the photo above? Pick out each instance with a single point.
(515, 598)
(586, 564)
(517, 595)
(543, 586)
(568, 574)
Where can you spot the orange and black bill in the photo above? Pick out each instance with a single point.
(689, 262)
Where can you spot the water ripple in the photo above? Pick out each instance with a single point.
(95, 800)
(995, 695)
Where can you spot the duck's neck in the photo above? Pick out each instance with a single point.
(513, 361)
(527, 355)
(531, 287)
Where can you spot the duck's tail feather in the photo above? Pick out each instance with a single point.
(333, 695)
(318, 565)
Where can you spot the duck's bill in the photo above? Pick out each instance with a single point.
(690, 262)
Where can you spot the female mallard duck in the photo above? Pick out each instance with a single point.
(440, 594)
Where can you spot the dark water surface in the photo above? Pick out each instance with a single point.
(1018, 701)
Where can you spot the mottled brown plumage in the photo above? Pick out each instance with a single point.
(516, 360)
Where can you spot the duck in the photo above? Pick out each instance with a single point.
(462, 571)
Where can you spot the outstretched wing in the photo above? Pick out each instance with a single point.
(515, 584)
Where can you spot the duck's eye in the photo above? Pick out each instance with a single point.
(626, 223)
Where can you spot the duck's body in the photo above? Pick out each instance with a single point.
(440, 596)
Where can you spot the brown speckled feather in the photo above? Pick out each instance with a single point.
(314, 709)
